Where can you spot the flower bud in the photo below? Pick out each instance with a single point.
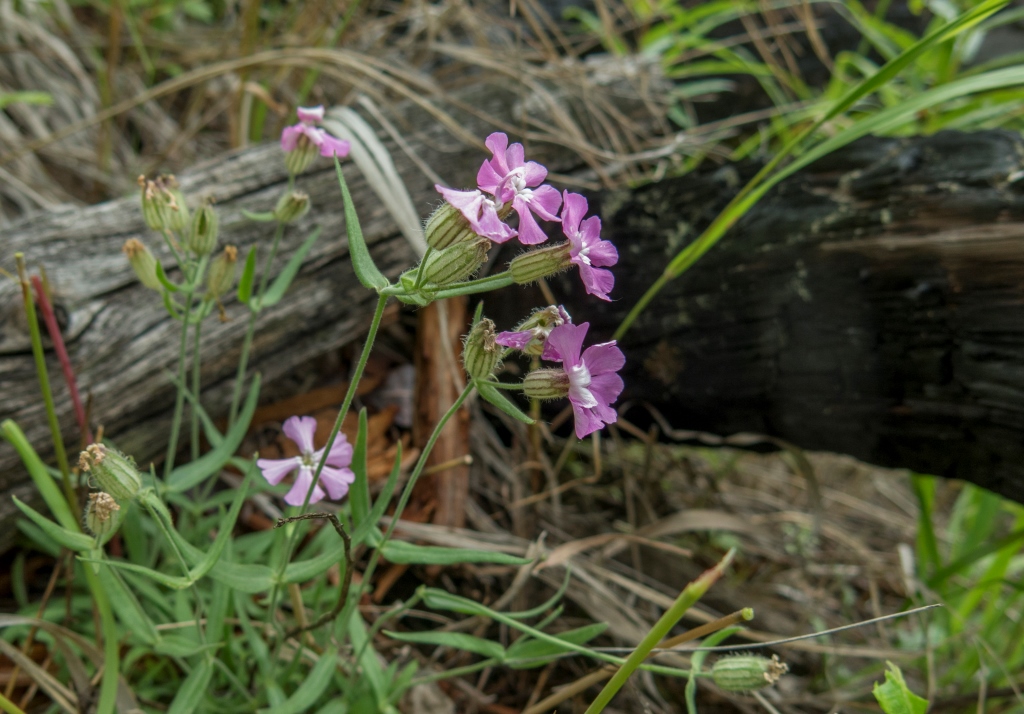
(292, 206)
(299, 159)
(114, 472)
(480, 353)
(100, 517)
(530, 267)
(202, 238)
(142, 262)
(539, 325)
(456, 262)
(747, 672)
(222, 273)
(163, 204)
(546, 384)
(447, 226)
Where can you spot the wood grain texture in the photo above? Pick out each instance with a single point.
(872, 305)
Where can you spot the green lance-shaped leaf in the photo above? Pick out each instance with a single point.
(455, 640)
(280, 285)
(161, 275)
(70, 539)
(313, 685)
(359, 493)
(189, 475)
(895, 696)
(362, 263)
(527, 653)
(260, 216)
(41, 477)
(495, 397)
(248, 277)
(191, 692)
(398, 551)
(366, 528)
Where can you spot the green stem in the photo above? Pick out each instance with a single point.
(419, 270)
(254, 309)
(184, 567)
(44, 382)
(512, 386)
(690, 595)
(403, 501)
(179, 402)
(350, 394)
(194, 440)
(456, 672)
(111, 644)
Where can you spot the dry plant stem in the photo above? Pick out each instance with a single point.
(690, 595)
(44, 382)
(62, 354)
(27, 644)
(346, 582)
(599, 675)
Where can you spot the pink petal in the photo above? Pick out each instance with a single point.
(606, 387)
(312, 115)
(567, 340)
(605, 357)
(514, 157)
(498, 144)
(603, 253)
(545, 201)
(587, 421)
(341, 452)
(535, 174)
(290, 137)
(490, 226)
(597, 281)
(330, 146)
(515, 340)
(529, 232)
(301, 431)
(336, 481)
(487, 178)
(274, 470)
(297, 494)
(573, 210)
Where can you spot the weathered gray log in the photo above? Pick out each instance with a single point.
(873, 305)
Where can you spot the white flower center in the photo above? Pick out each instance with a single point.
(306, 460)
(517, 179)
(579, 385)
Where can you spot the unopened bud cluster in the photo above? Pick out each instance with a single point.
(143, 263)
(163, 204)
(746, 673)
(114, 472)
(292, 206)
(202, 237)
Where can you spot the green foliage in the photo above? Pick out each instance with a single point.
(895, 696)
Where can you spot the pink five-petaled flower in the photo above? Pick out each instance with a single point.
(509, 177)
(593, 382)
(305, 135)
(587, 250)
(480, 211)
(335, 476)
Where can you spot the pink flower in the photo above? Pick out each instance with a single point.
(335, 476)
(508, 177)
(593, 382)
(480, 211)
(532, 334)
(309, 117)
(588, 251)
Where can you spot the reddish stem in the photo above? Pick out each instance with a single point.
(46, 309)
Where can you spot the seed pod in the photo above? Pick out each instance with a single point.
(292, 206)
(546, 384)
(222, 273)
(530, 267)
(114, 472)
(143, 263)
(480, 353)
(456, 262)
(746, 673)
(163, 204)
(447, 226)
(99, 513)
(202, 238)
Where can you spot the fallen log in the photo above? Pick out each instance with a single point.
(872, 305)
